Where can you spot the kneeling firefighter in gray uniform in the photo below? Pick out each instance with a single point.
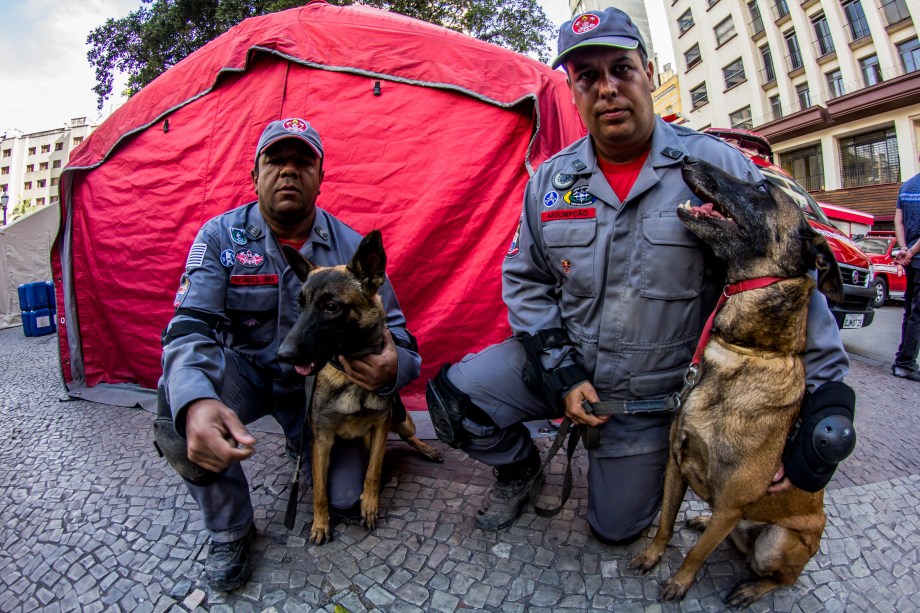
(607, 295)
(236, 302)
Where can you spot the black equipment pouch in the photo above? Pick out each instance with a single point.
(550, 383)
(170, 445)
(824, 435)
(447, 406)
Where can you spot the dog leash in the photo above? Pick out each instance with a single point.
(665, 405)
(291, 513)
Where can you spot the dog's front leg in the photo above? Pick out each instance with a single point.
(720, 524)
(370, 495)
(322, 449)
(675, 487)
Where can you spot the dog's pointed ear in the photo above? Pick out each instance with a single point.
(299, 264)
(370, 262)
(830, 283)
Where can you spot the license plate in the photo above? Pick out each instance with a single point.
(853, 320)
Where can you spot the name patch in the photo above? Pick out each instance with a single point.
(568, 214)
(253, 279)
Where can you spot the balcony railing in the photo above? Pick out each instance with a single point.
(858, 30)
(895, 11)
(856, 176)
(780, 9)
(756, 27)
(767, 75)
(823, 46)
(793, 61)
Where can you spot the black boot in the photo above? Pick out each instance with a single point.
(505, 501)
(229, 565)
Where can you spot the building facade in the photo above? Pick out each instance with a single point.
(31, 165)
(834, 85)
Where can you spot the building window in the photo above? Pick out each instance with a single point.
(3, 188)
(55, 181)
(698, 96)
(781, 9)
(823, 35)
(30, 167)
(7, 153)
(693, 56)
(870, 159)
(56, 164)
(685, 22)
(43, 166)
(756, 20)
(711, 3)
(54, 199)
(804, 95)
(31, 150)
(5, 170)
(834, 84)
(27, 185)
(725, 31)
(58, 146)
(909, 51)
(805, 167)
(42, 183)
(77, 140)
(795, 54)
(39, 202)
(871, 71)
(895, 11)
(856, 20)
(734, 74)
(46, 148)
(741, 119)
(776, 108)
(769, 74)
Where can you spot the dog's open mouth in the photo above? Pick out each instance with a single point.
(709, 210)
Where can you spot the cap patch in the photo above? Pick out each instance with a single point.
(295, 125)
(585, 23)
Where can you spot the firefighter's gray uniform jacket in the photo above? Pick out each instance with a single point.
(632, 287)
(236, 276)
(629, 283)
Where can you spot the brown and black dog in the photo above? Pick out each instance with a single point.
(341, 314)
(727, 438)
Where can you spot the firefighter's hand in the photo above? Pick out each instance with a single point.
(216, 437)
(375, 371)
(573, 409)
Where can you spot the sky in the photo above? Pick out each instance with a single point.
(45, 80)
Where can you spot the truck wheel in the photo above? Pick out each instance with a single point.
(881, 293)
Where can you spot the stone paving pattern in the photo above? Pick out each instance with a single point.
(91, 519)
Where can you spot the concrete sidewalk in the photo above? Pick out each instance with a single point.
(91, 519)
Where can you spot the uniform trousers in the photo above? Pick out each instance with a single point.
(226, 504)
(910, 326)
(624, 489)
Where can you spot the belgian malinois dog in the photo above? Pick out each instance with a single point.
(342, 315)
(727, 438)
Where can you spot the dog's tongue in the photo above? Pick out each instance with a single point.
(306, 371)
(708, 210)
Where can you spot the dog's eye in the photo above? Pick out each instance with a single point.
(332, 308)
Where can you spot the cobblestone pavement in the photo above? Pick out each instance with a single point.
(92, 520)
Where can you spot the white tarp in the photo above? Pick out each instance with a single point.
(25, 248)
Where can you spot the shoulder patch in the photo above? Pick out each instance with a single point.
(196, 256)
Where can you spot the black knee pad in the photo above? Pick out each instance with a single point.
(174, 448)
(448, 406)
(825, 436)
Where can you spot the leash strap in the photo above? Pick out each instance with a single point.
(290, 513)
(567, 482)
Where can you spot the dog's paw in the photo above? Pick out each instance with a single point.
(673, 589)
(319, 534)
(369, 511)
(749, 591)
(698, 523)
(646, 560)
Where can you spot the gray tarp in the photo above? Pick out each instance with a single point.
(25, 247)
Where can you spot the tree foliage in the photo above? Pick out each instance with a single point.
(161, 33)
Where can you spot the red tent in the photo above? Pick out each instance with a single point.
(429, 135)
